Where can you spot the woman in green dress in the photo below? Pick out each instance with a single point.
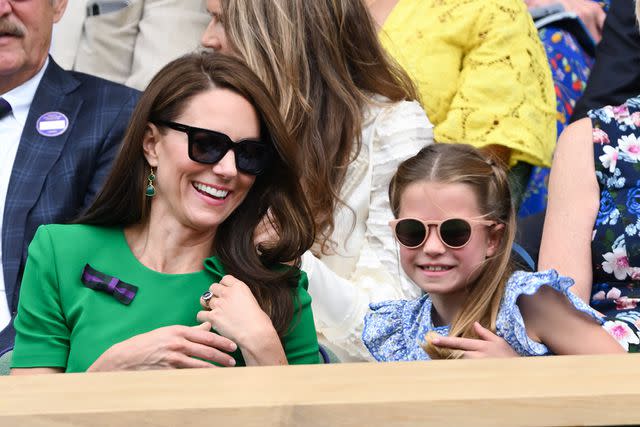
(162, 271)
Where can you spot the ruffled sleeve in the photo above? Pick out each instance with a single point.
(510, 324)
(392, 330)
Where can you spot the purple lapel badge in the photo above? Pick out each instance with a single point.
(52, 124)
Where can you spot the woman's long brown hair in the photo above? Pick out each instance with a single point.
(122, 201)
(461, 163)
(322, 62)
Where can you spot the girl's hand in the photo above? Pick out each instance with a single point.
(488, 345)
(234, 313)
(167, 348)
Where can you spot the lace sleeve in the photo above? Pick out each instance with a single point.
(505, 93)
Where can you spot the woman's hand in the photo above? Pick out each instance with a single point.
(167, 348)
(589, 12)
(234, 313)
(488, 345)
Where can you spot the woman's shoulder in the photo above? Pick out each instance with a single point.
(77, 230)
(76, 235)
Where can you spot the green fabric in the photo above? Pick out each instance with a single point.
(62, 323)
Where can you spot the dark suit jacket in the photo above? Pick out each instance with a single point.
(54, 178)
(615, 76)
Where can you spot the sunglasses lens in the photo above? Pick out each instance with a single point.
(206, 147)
(455, 232)
(252, 157)
(410, 232)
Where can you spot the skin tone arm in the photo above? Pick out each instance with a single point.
(36, 371)
(164, 348)
(235, 313)
(550, 319)
(573, 188)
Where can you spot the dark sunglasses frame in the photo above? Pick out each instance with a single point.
(225, 143)
(470, 222)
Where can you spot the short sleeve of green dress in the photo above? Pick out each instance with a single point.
(62, 322)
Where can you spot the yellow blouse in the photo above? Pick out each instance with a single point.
(481, 71)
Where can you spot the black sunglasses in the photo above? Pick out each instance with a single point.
(209, 146)
(453, 232)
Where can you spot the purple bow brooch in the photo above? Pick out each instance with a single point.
(123, 292)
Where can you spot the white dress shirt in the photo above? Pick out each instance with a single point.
(11, 127)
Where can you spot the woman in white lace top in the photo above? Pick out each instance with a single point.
(355, 116)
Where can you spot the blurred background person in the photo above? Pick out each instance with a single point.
(127, 41)
(482, 75)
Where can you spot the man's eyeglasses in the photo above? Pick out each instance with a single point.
(454, 233)
(209, 146)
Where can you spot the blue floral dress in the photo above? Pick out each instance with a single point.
(615, 246)
(393, 330)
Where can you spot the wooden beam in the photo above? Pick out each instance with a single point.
(543, 391)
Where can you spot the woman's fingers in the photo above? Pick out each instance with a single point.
(182, 361)
(198, 341)
(208, 353)
(199, 335)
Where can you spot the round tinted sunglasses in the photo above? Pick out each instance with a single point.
(209, 146)
(454, 233)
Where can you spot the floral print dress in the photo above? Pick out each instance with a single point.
(394, 330)
(615, 245)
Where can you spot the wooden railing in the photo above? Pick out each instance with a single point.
(544, 391)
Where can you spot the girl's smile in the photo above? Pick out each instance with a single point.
(441, 271)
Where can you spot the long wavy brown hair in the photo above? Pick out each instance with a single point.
(122, 201)
(322, 62)
(461, 163)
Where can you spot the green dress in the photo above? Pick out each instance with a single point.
(63, 323)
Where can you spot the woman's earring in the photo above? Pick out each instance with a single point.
(151, 190)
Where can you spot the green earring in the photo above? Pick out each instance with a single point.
(151, 190)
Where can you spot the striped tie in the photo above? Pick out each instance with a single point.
(5, 108)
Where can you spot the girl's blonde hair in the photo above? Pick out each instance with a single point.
(638, 11)
(322, 62)
(461, 163)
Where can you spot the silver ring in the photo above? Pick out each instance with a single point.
(206, 297)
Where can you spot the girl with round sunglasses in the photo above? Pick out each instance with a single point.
(455, 226)
(162, 271)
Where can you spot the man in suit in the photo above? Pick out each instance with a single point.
(59, 132)
(615, 76)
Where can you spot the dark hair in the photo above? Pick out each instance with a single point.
(122, 201)
(322, 62)
(461, 163)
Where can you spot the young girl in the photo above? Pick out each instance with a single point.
(455, 226)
